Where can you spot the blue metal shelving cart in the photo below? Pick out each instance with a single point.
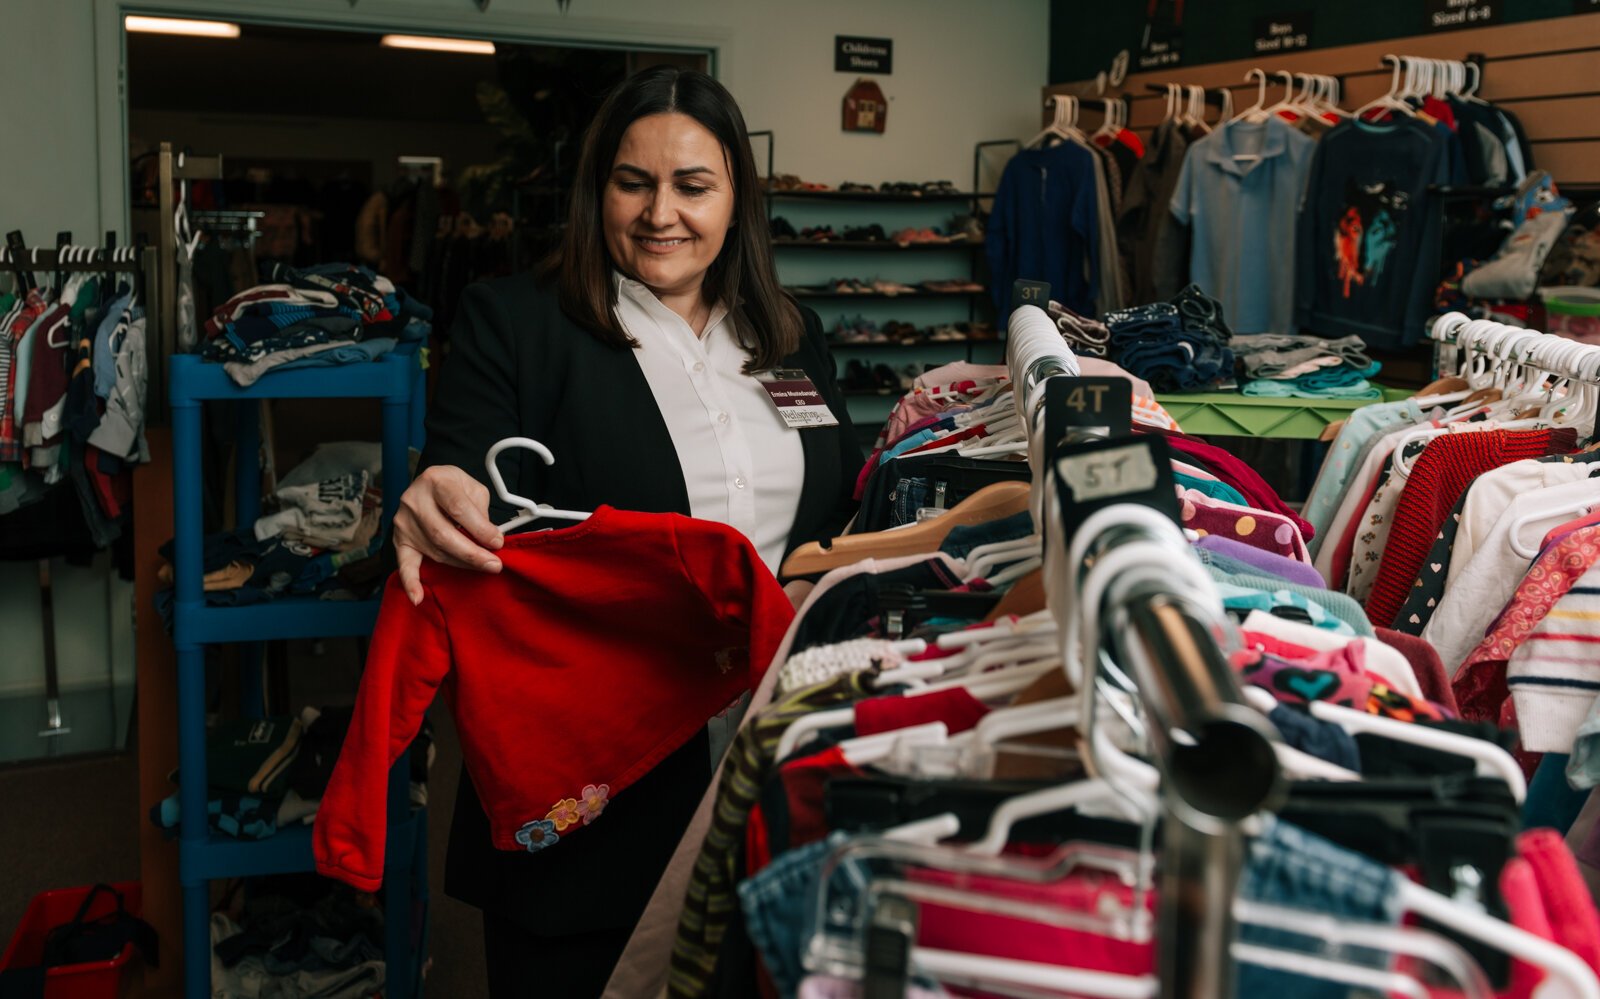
(397, 381)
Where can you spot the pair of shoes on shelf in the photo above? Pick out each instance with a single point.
(819, 234)
(967, 227)
(952, 286)
(858, 330)
(851, 187)
(789, 182)
(908, 236)
(865, 234)
(900, 332)
(851, 286)
(891, 288)
(781, 229)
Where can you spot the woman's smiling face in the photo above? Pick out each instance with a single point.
(668, 203)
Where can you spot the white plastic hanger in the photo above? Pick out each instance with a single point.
(1529, 552)
(1389, 101)
(532, 510)
(1256, 112)
(1492, 761)
(1064, 124)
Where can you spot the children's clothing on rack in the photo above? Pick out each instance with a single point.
(929, 679)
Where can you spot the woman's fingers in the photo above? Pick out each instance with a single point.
(468, 505)
(410, 572)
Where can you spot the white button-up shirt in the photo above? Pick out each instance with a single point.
(742, 464)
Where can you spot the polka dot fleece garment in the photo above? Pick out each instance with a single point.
(1268, 531)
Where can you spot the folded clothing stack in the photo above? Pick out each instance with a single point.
(1177, 346)
(319, 537)
(1306, 367)
(330, 314)
(1087, 337)
(263, 774)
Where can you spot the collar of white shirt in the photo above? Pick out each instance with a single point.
(639, 294)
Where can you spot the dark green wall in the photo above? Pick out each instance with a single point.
(1085, 36)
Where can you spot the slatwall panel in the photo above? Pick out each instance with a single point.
(1547, 72)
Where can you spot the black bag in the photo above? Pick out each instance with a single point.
(82, 941)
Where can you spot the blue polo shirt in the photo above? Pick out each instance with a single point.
(1239, 192)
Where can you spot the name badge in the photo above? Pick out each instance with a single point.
(798, 401)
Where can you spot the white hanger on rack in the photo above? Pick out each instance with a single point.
(1258, 111)
(1390, 100)
(1492, 761)
(532, 510)
(1063, 126)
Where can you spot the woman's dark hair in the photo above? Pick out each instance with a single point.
(766, 320)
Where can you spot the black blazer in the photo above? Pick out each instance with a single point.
(519, 367)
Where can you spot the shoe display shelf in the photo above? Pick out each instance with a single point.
(396, 382)
(808, 268)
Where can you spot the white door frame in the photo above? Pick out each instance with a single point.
(440, 17)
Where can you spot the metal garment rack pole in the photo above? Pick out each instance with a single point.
(1214, 752)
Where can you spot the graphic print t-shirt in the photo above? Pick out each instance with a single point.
(1367, 254)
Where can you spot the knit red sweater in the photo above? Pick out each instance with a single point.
(594, 653)
(1439, 476)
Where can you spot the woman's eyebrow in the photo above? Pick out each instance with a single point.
(642, 172)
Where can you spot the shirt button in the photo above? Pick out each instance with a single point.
(738, 483)
(699, 365)
(722, 417)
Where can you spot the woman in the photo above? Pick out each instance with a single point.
(631, 355)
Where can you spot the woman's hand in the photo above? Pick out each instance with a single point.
(444, 516)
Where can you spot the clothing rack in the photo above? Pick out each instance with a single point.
(66, 258)
(1215, 754)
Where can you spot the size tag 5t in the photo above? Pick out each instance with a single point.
(797, 398)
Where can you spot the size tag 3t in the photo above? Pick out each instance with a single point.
(798, 401)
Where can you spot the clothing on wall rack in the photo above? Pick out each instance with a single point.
(938, 694)
(71, 388)
(1055, 209)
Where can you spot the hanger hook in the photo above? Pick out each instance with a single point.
(491, 460)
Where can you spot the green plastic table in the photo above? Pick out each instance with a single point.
(1229, 414)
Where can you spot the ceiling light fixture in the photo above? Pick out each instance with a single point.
(461, 46)
(180, 26)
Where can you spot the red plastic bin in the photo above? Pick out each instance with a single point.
(91, 980)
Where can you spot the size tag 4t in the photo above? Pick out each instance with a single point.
(798, 401)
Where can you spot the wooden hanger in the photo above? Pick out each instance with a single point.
(992, 502)
(1025, 597)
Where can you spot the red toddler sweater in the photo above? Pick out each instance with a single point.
(594, 653)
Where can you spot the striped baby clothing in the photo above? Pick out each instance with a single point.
(1554, 675)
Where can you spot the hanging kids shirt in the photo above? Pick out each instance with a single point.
(1367, 243)
(594, 653)
(1238, 193)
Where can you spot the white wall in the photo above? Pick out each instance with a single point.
(963, 72)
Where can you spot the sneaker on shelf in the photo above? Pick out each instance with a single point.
(891, 288)
(946, 334)
(858, 377)
(843, 286)
(886, 379)
(851, 187)
(968, 226)
(909, 375)
(938, 187)
(905, 237)
(781, 229)
(818, 234)
(931, 236)
(860, 287)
